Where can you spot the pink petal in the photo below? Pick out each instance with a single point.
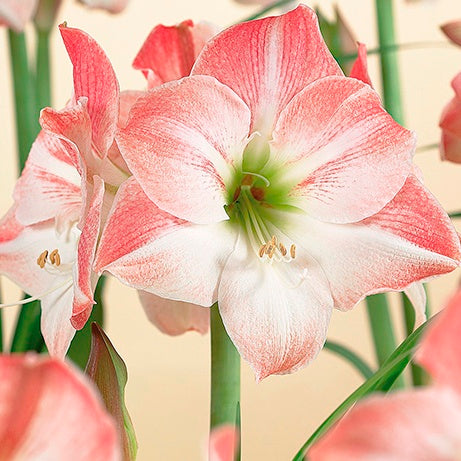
(94, 78)
(411, 239)
(223, 443)
(360, 68)
(48, 410)
(162, 254)
(453, 31)
(268, 61)
(450, 123)
(174, 317)
(15, 14)
(417, 425)
(180, 143)
(49, 186)
(112, 6)
(276, 315)
(344, 154)
(440, 350)
(169, 52)
(84, 278)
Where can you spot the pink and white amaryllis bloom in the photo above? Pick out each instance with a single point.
(414, 425)
(450, 123)
(16, 13)
(48, 239)
(271, 183)
(51, 411)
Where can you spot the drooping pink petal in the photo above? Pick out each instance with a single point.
(268, 61)
(162, 254)
(112, 6)
(276, 314)
(47, 411)
(453, 31)
(401, 244)
(450, 123)
(417, 296)
(15, 14)
(169, 52)
(223, 443)
(174, 317)
(360, 68)
(346, 156)
(417, 425)
(83, 276)
(49, 186)
(440, 350)
(94, 79)
(180, 142)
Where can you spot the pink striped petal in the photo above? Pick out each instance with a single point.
(418, 425)
(94, 79)
(401, 244)
(223, 443)
(180, 143)
(174, 317)
(453, 31)
(112, 6)
(360, 68)
(169, 52)
(276, 315)
(84, 278)
(268, 61)
(345, 155)
(48, 411)
(15, 14)
(440, 350)
(49, 186)
(162, 254)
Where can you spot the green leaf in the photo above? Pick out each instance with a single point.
(382, 381)
(107, 369)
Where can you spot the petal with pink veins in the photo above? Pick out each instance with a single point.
(174, 317)
(360, 68)
(344, 154)
(163, 254)
(417, 425)
(181, 142)
(276, 314)
(47, 409)
(15, 14)
(268, 61)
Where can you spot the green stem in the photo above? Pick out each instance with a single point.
(427, 147)
(26, 120)
(351, 357)
(225, 373)
(27, 336)
(43, 79)
(455, 214)
(266, 9)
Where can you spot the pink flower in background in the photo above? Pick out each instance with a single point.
(48, 239)
(16, 13)
(112, 6)
(271, 183)
(50, 411)
(450, 123)
(414, 425)
(453, 31)
(223, 443)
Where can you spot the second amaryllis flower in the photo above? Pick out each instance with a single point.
(271, 183)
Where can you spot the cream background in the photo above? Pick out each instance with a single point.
(168, 384)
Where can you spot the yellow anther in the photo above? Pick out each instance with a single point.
(282, 249)
(55, 258)
(41, 260)
(293, 251)
(262, 250)
(272, 251)
(274, 240)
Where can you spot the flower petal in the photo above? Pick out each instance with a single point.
(450, 123)
(162, 254)
(276, 314)
(169, 52)
(47, 408)
(416, 293)
(94, 78)
(174, 317)
(180, 142)
(409, 240)
(360, 68)
(112, 6)
(453, 31)
(415, 425)
(223, 443)
(16, 14)
(344, 154)
(268, 61)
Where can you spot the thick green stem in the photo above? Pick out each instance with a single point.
(43, 78)
(27, 336)
(225, 374)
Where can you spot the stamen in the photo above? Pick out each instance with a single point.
(41, 260)
(282, 249)
(262, 250)
(260, 176)
(293, 251)
(55, 258)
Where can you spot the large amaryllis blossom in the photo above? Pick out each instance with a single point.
(450, 123)
(48, 239)
(271, 183)
(16, 13)
(414, 425)
(50, 411)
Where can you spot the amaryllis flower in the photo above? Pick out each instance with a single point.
(453, 31)
(271, 183)
(414, 425)
(112, 6)
(48, 239)
(450, 123)
(50, 411)
(15, 14)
